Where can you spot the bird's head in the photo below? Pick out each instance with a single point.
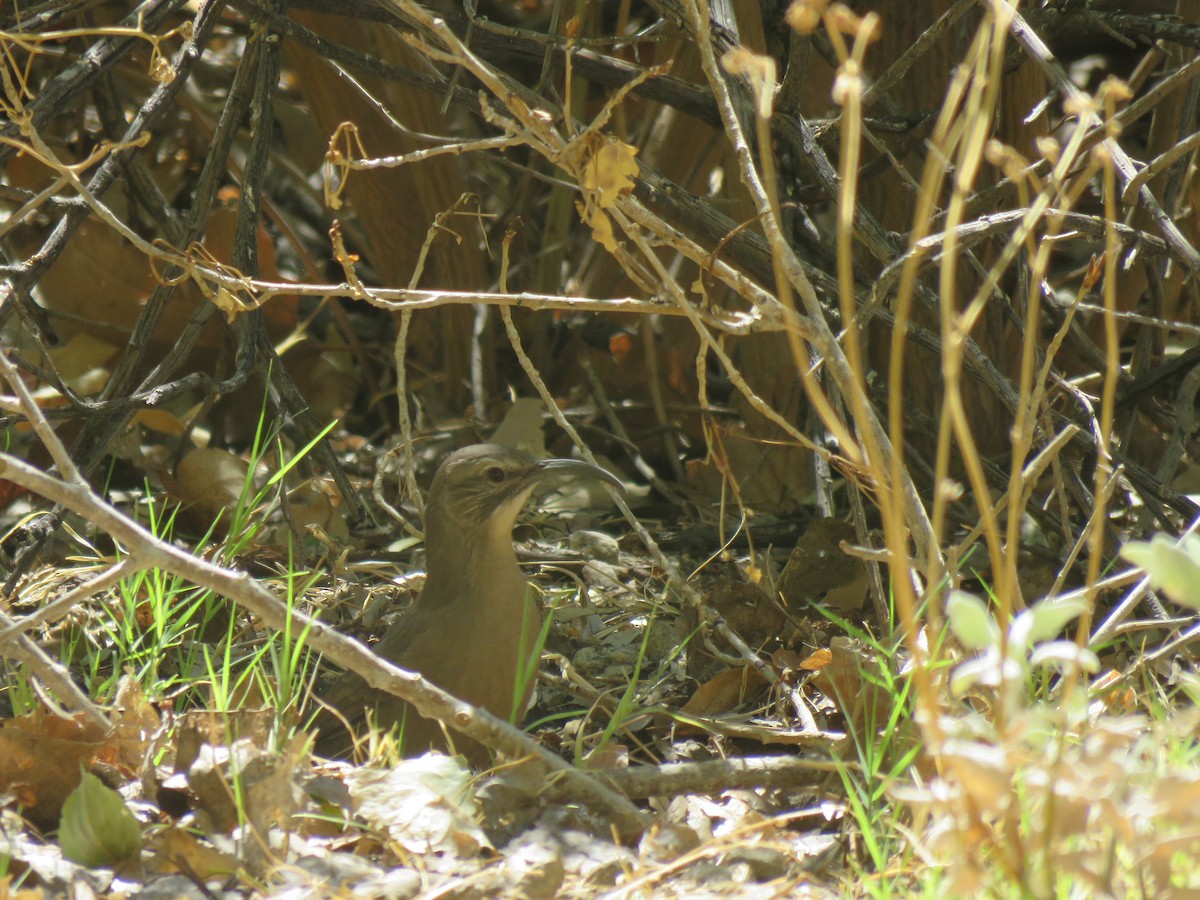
(486, 485)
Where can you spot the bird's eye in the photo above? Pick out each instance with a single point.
(495, 474)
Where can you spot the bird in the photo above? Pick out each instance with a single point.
(473, 627)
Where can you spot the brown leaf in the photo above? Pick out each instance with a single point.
(315, 503)
(396, 206)
(99, 277)
(179, 850)
(210, 481)
(424, 804)
(785, 659)
(725, 692)
(817, 661)
(41, 757)
(281, 314)
(769, 475)
(265, 776)
(135, 722)
(160, 420)
(819, 570)
(851, 679)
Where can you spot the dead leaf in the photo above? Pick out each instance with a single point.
(424, 804)
(770, 476)
(179, 850)
(331, 380)
(725, 692)
(522, 427)
(100, 278)
(135, 722)
(819, 570)
(600, 224)
(610, 171)
(817, 661)
(786, 660)
(537, 871)
(852, 679)
(198, 727)
(81, 354)
(747, 609)
(41, 758)
(160, 420)
(611, 755)
(210, 481)
(266, 779)
(83, 364)
(281, 314)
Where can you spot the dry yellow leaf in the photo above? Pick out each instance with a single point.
(610, 171)
(160, 420)
(601, 225)
(228, 304)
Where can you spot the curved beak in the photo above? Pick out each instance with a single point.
(546, 469)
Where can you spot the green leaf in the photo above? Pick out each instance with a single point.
(971, 621)
(1063, 654)
(97, 829)
(1051, 616)
(1173, 568)
(987, 669)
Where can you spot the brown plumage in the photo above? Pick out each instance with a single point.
(473, 627)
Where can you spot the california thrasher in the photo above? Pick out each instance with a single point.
(472, 630)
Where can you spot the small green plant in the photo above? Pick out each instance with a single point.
(1007, 660)
(152, 626)
(15, 683)
(998, 812)
(248, 516)
(529, 658)
(228, 676)
(884, 750)
(292, 669)
(1172, 566)
(280, 669)
(157, 624)
(627, 706)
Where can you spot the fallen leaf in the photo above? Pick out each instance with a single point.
(97, 828)
(522, 427)
(179, 850)
(41, 758)
(724, 692)
(818, 570)
(424, 804)
(818, 660)
(160, 420)
(210, 481)
(852, 679)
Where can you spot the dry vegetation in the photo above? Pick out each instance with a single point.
(886, 313)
